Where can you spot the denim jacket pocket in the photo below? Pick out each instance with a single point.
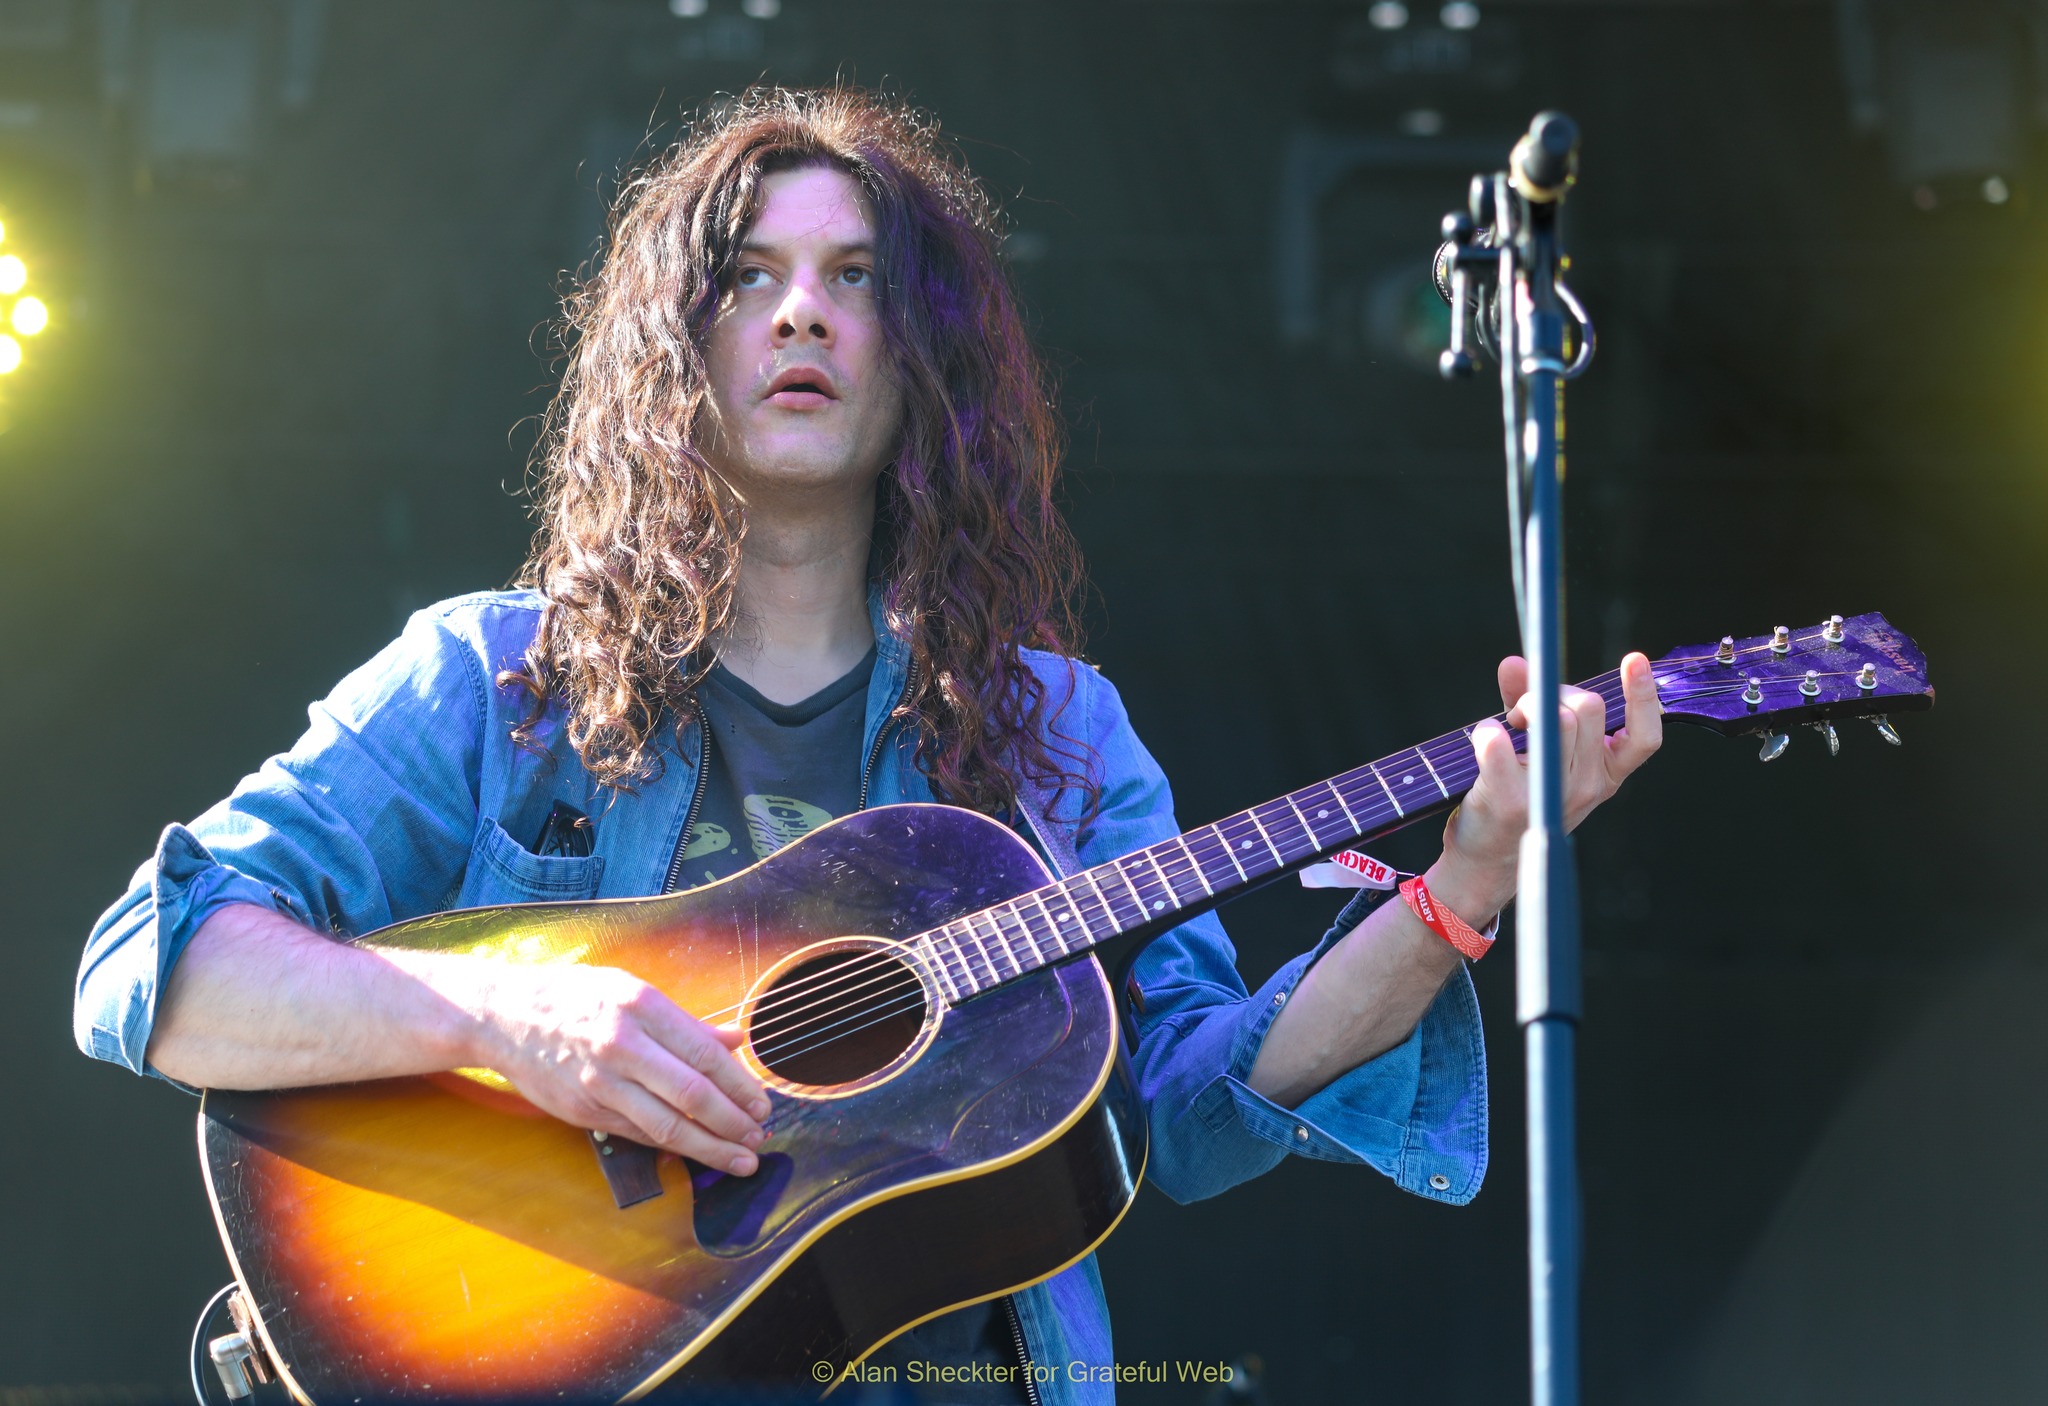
(501, 870)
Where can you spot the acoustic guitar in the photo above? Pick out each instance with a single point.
(933, 1014)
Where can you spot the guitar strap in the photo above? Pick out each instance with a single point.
(1036, 802)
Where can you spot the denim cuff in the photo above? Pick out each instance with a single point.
(1427, 1128)
(138, 940)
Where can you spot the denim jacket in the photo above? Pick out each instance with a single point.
(404, 796)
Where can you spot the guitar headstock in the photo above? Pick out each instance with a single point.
(1855, 668)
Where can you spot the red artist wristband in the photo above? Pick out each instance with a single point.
(1470, 942)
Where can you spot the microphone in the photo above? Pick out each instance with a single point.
(1542, 167)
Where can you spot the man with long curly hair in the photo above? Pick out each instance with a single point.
(798, 555)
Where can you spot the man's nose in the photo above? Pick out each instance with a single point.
(805, 315)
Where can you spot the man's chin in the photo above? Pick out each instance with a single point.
(806, 467)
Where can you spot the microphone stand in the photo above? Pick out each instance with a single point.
(1512, 229)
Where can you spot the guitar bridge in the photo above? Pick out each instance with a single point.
(630, 1168)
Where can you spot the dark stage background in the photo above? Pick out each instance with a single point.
(299, 258)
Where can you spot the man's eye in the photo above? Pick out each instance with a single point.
(751, 277)
(856, 276)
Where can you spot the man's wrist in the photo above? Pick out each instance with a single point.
(460, 1023)
(1477, 903)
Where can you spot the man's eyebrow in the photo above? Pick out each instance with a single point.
(858, 246)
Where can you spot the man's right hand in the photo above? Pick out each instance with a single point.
(257, 1001)
(602, 1049)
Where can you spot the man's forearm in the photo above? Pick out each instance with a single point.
(1365, 996)
(257, 1001)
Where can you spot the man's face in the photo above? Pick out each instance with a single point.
(800, 379)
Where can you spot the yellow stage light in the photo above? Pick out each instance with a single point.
(30, 316)
(13, 274)
(10, 354)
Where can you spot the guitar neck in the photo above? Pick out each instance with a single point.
(1151, 889)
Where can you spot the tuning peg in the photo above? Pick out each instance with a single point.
(1832, 631)
(1774, 746)
(1827, 729)
(1726, 653)
(1781, 640)
(1885, 730)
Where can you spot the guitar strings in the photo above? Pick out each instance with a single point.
(873, 968)
(860, 973)
(879, 1013)
(816, 1037)
(885, 1007)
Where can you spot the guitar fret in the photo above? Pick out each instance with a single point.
(1385, 787)
(1432, 773)
(1462, 768)
(1368, 802)
(929, 950)
(1277, 855)
(1285, 857)
(1159, 905)
(1337, 795)
(994, 975)
(1136, 897)
(1115, 924)
(1229, 851)
(1246, 844)
(1052, 926)
(1207, 836)
(1037, 956)
(1182, 841)
(1298, 815)
(962, 969)
(1345, 806)
(1076, 915)
(1002, 943)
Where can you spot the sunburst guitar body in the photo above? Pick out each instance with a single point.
(433, 1237)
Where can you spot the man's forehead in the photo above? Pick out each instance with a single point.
(811, 203)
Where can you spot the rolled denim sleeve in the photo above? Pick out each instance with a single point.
(1416, 1112)
(368, 818)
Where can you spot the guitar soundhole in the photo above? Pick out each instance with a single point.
(837, 1017)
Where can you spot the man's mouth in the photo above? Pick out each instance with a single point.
(800, 390)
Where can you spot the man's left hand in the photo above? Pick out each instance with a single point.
(1476, 876)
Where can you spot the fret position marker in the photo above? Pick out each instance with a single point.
(1264, 834)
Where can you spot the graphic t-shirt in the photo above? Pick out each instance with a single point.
(774, 772)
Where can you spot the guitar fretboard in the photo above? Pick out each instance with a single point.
(1175, 879)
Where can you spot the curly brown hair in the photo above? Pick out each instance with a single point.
(638, 551)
